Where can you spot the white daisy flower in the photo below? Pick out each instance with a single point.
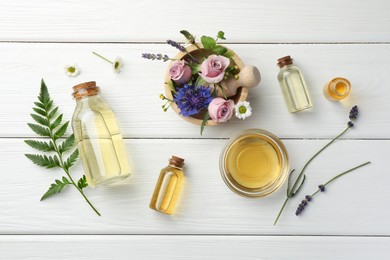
(117, 65)
(72, 70)
(243, 109)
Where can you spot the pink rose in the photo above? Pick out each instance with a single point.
(180, 72)
(213, 68)
(221, 110)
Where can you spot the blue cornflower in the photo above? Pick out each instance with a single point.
(191, 100)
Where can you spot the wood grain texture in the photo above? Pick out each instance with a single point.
(134, 93)
(191, 247)
(354, 205)
(243, 21)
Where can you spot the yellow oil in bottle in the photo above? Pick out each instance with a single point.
(337, 89)
(254, 162)
(293, 86)
(168, 187)
(99, 141)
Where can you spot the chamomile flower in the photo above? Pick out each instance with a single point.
(117, 64)
(243, 109)
(72, 70)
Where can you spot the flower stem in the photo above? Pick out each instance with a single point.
(292, 192)
(100, 56)
(67, 171)
(200, 50)
(341, 174)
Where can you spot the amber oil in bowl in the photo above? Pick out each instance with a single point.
(254, 163)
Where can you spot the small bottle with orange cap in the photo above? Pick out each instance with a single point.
(168, 187)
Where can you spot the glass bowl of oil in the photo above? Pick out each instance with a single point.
(254, 163)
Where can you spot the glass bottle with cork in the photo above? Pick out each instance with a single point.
(293, 86)
(98, 138)
(168, 187)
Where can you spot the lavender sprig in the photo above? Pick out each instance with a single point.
(182, 49)
(301, 177)
(158, 56)
(321, 188)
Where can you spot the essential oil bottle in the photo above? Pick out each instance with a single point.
(293, 86)
(168, 187)
(337, 89)
(99, 141)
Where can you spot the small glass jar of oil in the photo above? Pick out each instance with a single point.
(168, 187)
(254, 163)
(98, 138)
(337, 89)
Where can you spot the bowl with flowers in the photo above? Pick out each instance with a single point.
(206, 83)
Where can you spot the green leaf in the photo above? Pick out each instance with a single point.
(200, 82)
(40, 111)
(67, 144)
(49, 105)
(52, 113)
(42, 131)
(188, 35)
(44, 161)
(195, 68)
(61, 131)
(40, 120)
(221, 35)
(39, 104)
(56, 122)
(71, 159)
(82, 183)
(44, 96)
(220, 50)
(56, 187)
(206, 117)
(228, 54)
(208, 42)
(171, 86)
(41, 146)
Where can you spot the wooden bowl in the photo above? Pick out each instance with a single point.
(197, 119)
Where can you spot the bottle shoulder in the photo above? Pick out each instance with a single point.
(169, 170)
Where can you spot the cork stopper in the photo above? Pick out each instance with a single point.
(286, 60)
(176, 161)
(85, 89)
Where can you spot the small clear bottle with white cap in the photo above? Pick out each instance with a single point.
(168, 187)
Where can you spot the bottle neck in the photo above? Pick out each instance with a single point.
(175, 166)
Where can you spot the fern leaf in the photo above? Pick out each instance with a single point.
(61, 131)
(40, 120)
(39, 104)
(44, 96)
(71, 159)
(41, 146)
(52, 113)
(42, 131)
(56, 187)
(82, 183)
(44, 160)
(40, 111)
(67, 144)
(56, 122)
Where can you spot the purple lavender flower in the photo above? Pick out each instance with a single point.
(158, 56)
(191, 100)
(176, 45)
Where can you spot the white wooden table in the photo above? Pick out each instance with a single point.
(327, 38)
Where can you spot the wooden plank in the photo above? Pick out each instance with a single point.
(134, 93)
(192, 247)
(354, 205)
(244, 21)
